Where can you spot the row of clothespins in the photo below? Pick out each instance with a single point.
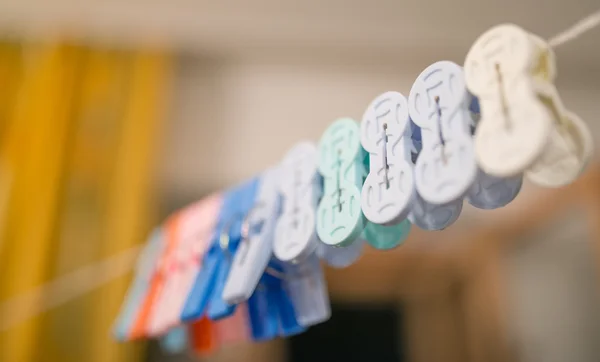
(250, 258)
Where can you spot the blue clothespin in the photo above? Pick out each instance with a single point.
(208, 286)
(270, 310)
(137, 291)
(175, 341)
(231, 231)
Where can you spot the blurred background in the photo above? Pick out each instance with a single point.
(114, 114)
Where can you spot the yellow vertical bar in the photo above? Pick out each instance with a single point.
(10, 79)
(35, 153)
(130, 208)
(97, 123)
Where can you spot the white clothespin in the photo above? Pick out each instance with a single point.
(524, 127)
(445, 167)
(296, 240)
(439, 105)
(389, 188)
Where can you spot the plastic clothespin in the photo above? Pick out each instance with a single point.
(443, 169)
(388, 190)
(175, 341)
(136, 294)
(296, 241)
(307, 290)
(270, 310)
(207, 288)
(524, 126)
(140, 327)
(343, 257)
(251, 276)
(255, 251)
(230, 240)
(202, 337)
(340, 220)
(194, 229)
(157, 321)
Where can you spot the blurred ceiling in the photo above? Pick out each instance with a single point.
(411, 29)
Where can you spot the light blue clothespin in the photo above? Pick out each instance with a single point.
(270, 309)
(139, 287)
(229, 241)
(175, 341)
(208, 285)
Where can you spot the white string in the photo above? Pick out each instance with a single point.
(66, 288)
(584, 25)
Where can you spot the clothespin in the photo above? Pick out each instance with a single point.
(203, 341)
(157, 323)
(140, 327)
(175, 341)
(270, 310)
(388, 189)
(442, 171)
(193, 227)
(136, 294)
(253, 255)
(254, 277)
(340, 220)
(207, 288)
(341, 257)
(524, 126)
(296, 241)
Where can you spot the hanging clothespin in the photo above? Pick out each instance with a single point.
(254, 277)
(175, 341)
(253, 255)
(443, 171)
(206, 292)
(140, 285)
(524, 126)
(156, 323)
(388, 190)
(193, 228)
(270, 309)
(340, 220)
(296, 241)
(141, 326)
(202, 337)
(337, 257)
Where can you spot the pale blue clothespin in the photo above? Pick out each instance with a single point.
(175, 341)
(139, 286)
(208, 286)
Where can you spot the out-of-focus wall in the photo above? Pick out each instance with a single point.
(553, 294)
